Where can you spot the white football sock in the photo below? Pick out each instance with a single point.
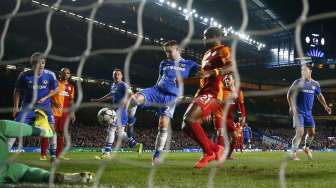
(161, 138)
(110, 135)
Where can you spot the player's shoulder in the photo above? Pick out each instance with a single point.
(297, 81)
(49, 73)
(223, 49)
(189, 62)
(26, 72)
(165, 61)
(314, 82)
(122, 84)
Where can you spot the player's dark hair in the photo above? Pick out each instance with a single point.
(117, 69)
(213, 32)
(65, 68)
(310, 65)
(170, 43)
(35, 57)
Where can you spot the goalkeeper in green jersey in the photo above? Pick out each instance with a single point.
(12, 172)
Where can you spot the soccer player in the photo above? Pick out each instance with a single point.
(300, 98)
(24, 88)
(209, 97)
(247, 136)
(239, 136)
(119, 95)
(236, 102)
(164, 93)
(12, 172)
(61, 102)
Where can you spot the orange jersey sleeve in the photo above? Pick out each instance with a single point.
(241, 105)
(225, 55)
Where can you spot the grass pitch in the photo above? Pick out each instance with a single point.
(260, 169)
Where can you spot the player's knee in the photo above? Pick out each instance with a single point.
(164, 122)
(136, 100)
(311, 134)
(299, 134)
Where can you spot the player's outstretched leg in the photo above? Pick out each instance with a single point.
(109, 143)
(193, 128)
(106, 154)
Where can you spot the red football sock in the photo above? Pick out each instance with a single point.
(202, 138)
(44, 146)
(190, 133)
(60, 145)
(232, 147)
(220, 140)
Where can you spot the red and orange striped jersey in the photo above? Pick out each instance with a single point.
(215, 58)
(65, 94)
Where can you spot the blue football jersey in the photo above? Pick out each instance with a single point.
(45, 82)
(168, 78)
(306, 94)
(118, 91)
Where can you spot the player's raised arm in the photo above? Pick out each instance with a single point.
(104, 98)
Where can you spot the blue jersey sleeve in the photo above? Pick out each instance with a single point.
(19, 84)
(194, 68)
(161, 68)
(53, 84)
(317, 89)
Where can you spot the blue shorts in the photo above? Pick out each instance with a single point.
(164, 102)
(304, 120)
(246, 140)
(122, 116)
(27, 116)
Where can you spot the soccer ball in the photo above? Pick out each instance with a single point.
(107, 116)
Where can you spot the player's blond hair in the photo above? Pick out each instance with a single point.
(35, 57)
